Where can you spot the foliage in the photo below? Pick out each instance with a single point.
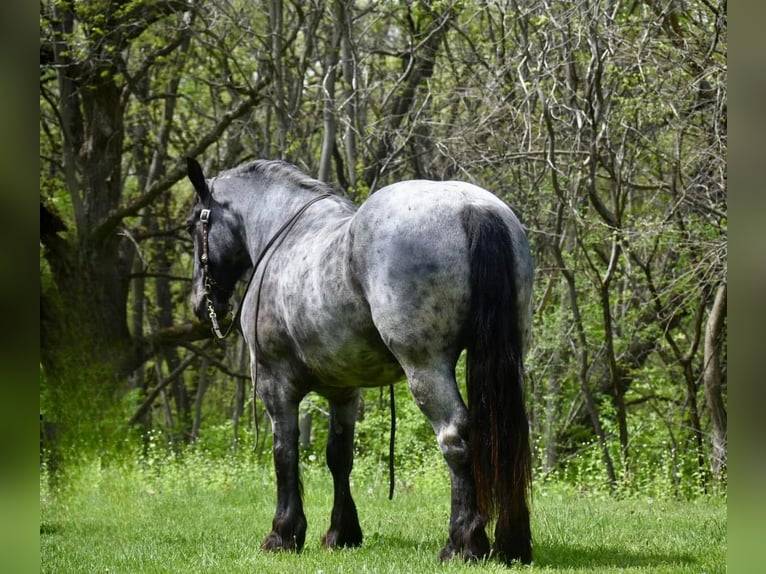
(603, 125)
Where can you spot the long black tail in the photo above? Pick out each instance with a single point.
(499, 436)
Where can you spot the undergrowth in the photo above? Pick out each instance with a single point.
(201, 512)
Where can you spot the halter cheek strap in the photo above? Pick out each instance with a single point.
(207, 279)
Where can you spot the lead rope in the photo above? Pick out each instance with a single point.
(391, 441)
(257, 433)
(286, 227)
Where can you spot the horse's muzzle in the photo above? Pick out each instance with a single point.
(202, 305)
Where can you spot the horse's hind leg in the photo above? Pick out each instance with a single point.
(437, 395)
(344, 521)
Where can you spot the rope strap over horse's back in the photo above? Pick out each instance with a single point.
(209, 282)
(391, 441)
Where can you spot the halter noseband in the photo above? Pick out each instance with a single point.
(208, 281)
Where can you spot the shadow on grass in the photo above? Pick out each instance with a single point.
(47, 528)
(560, 556)
(377, 541)
(557, 556)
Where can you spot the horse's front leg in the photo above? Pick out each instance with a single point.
(288, 530)
(344, 522)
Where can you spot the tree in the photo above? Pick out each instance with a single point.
(602, 123)
(110, 77)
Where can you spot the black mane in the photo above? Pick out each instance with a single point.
(278, 170)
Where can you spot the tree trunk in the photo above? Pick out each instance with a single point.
(164, 303)
(278, 76)
(590, 403)
(420, 64)
(562, 356)
(582, 356)
(203, 380)
(350, 90)
(618, 391)
(713, 378)
(305, 423)
(328, 113)
(85, 346)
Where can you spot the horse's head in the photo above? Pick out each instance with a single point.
(220, 258)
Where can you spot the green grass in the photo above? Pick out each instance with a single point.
(203, 516)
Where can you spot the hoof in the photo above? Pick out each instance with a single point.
(447, 553)
(474, 550)
(276, 543)
(521, 554)
(337, 539)
(513, 545)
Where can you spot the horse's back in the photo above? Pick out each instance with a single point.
(410, 252)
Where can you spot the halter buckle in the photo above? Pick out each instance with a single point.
(204, 216)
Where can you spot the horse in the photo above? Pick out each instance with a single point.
(342, 297)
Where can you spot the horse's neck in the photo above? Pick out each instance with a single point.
(264, 218)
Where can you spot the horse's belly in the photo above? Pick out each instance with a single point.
(357, 363)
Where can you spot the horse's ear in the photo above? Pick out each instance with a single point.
(194, 172)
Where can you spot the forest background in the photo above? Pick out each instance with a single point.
(604, 124)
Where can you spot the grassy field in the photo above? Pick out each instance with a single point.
(209, 517)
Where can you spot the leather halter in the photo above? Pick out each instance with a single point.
(207, 279)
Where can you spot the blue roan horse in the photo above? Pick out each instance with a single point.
(345, 297)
